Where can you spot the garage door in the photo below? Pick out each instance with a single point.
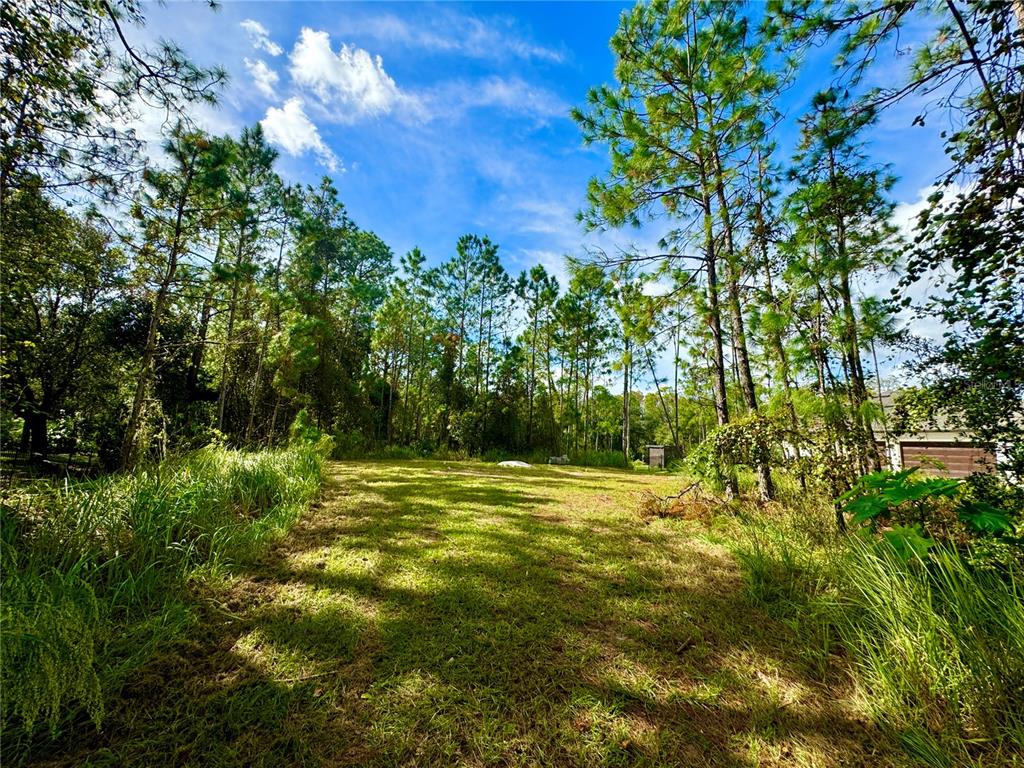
(959, 459)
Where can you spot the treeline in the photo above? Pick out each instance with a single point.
(237, 300)
(776, 258)
(213, 300)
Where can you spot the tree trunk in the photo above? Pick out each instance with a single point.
(229, 334)
(766, 488)
(714, 320)
(199, 353)
(625, 402)
(533, 369)
(38, 437)
(159, 303)
(661, 400)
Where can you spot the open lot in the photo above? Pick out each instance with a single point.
(446, 613)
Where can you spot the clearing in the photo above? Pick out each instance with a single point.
(447, 613)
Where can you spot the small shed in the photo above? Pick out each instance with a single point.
(656, 456)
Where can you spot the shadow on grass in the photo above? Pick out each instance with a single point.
(424, 616)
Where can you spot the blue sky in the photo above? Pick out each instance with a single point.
(439, 119)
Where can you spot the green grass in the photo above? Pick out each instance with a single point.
(936, 646)
(939, 651)
(447, 613)
(97, 576)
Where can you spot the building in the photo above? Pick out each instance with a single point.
(940, 448)
(659, 456)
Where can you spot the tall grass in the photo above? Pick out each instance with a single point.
(94, 573)
(936, 644)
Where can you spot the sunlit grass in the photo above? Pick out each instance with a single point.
(450, 613)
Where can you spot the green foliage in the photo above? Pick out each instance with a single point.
(94, 573)
(884, 497)
(69, 125)
(306, 435)
(936, 643)
(51, 627)
(600, 459)
(746, 442)
(878, 494)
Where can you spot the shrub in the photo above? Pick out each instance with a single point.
(745, 442)
(400, 452)
(913, 510)
(304, 432)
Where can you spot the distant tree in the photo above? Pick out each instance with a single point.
(969, 244)
(538, 291)
(691, 85)
(176, 210)
(840, 212)
(250, 200)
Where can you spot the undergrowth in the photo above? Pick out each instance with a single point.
(935, 642)
(96, 574)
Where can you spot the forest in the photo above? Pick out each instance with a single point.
(202, 356)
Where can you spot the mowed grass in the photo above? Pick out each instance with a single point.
(446, 613)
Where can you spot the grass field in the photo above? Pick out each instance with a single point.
(445, 613)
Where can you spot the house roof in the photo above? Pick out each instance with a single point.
(942, 429)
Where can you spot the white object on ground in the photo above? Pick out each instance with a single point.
(513, 464)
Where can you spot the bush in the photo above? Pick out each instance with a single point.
(94, 573)
(399, 452)
(304, 432)
(746, 442)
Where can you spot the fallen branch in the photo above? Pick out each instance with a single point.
(668, 506)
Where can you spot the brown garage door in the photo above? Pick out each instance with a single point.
(959, 459)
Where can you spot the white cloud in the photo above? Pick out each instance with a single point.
(517, 95)
(512, 94)
(289, 128)
(264, 78)
(260, 37)
(549, 217)
(350, 84)
(450, 32)
(904, 215)
(931, 284)
(661, 286)
(554, 263)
